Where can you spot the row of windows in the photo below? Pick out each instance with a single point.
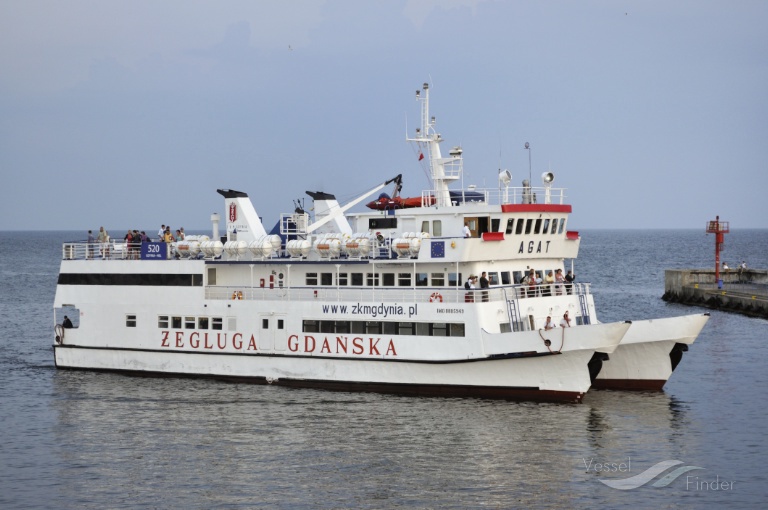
(535, 226)
(405, 279)
(383, 327)
(189, 322)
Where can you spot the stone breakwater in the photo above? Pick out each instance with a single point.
(744, 292)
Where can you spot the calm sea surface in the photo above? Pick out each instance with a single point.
(93, 440)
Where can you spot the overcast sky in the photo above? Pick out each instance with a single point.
(653, 114)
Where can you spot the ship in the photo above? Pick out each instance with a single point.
(382, 300)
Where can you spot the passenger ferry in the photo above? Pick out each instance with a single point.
(366, 301)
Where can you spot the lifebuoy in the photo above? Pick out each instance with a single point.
(435, 297)
(238, 294)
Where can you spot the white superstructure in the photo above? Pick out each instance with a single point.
(371, 301)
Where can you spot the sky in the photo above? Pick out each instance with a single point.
(130, 114)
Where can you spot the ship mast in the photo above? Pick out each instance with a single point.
(443, 171)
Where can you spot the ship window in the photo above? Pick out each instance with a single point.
(493, 278)
(537, 230)
(343, 279)
(457, 329)
(342, 326)
(438, 279)
(358, 327)
(404, 279)
(437, 228)
(518, 276)
(495, 224)
(264, 323)
(327, 327)
(510, 225)
(280, 324)
(211, 276)
(373, 327)
(505, 327)
(357, 279)
(189, 322)
(389, 328)
(439, 329)
(162, 321)
(310, 326)
(326, 278)
(176, 322)
(388, 279)
(372, 279)
(505, 280)
(405, 328)
(130, 321)
(562, 225)
(312, 279)
(216, 323)
(421, 279)
(422, 328)
(454, 279)
(425, 226)
(528, 225)
(202, 323)
(545, 229)
(554, 226)
(519, 229)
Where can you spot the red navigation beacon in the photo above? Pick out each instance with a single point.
(719, 228)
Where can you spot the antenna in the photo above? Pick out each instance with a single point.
(528, 148)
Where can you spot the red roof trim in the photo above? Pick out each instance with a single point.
(551, 208)
(493, 236)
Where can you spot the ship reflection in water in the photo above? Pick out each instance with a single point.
(226, 444)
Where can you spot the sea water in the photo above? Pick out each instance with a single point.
(77, 439)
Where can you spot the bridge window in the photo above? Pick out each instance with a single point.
(528, 225)
(510, 225)
(519, 229)
(437, 228)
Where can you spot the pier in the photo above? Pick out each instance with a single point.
(744, 291)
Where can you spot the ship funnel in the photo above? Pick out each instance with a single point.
(241, 216)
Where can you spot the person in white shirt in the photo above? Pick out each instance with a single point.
(566, 322)
(549, 324)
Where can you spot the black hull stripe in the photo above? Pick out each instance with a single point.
(514, 393)
(495, 357)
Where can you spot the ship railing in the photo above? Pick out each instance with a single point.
(496, 196)
(113, 250)
(436, 295)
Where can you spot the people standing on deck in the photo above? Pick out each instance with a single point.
(532, 283)
(569, 277)
(91, 241)
(549, 281)
(742, 269)
(469, 285)
(161, 233)
(549, 324)
(181, 235)
(566, 322)
(467, 232)
(484, 285)
(67, 323)
(103, 238)
(559, 281)
(128, 243)
(167, 236)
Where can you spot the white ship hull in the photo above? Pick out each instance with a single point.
(453, 296)
(649, 353)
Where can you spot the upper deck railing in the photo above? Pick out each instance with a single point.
(446, 295)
